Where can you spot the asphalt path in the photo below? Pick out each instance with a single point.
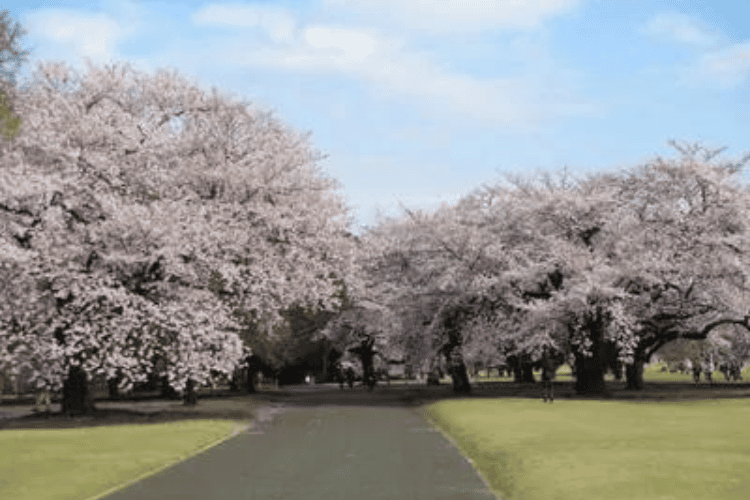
(323, 451)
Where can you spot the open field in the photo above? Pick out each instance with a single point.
(79, 463)
(604, 449)
(652, 373)
(670, 435)
(58, 457)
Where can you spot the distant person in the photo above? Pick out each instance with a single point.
(697, 372)
(42, 398)
(548, 374)
(340, 377)
(350, 377)
(710, 371)
(736, 372)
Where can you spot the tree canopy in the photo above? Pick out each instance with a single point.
(142, 238)
(617, 263)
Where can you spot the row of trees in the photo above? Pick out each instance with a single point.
(147, 225)
(601, 271)
(726, 349)
(145, 222)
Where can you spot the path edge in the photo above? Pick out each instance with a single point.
(237, 428)
(447, 436)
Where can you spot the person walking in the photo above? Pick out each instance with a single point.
(340, 376)
(42, 398)
(548, 374)
(710, 367)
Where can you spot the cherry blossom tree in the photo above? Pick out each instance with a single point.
(429, 261)
(147, 211)
(363, 330)
(631, 274)
(602, 270)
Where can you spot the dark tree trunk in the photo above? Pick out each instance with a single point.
(253, 367)
(460, 377)
(458, 371)
(610, 359)
(514, 363)
(327, 352)
(76, 395)
(367, 367)
(527, 371)
(167, 391)
(590, 369)
(589, 375)
(234, 381)
(634, 375)
(251, 389)
(113, 387)
(523, 370)
(634, 372)
(190, 398)
(618, 371)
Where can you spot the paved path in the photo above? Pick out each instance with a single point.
(324, 452)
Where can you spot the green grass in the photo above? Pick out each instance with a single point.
(604, 450)
(652, 373)
(76, 464)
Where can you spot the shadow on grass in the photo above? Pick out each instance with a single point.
(416, 395)
(142, 410)
(241, 406)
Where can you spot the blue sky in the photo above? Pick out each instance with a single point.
(419, 101)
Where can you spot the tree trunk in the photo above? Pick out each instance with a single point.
(514, 363)
(167, 391)
(590, 369)
(76, 396)
(367, 367)
(190, 398)
(460, 377)
(523, 371)
(610, 359)
(113, 388)
(253, 367)
(458, 371)
(527, 371)
(618, 371)
(251, 389)
(234, 381)
(326, 353)
(589, 375)
(634, 374)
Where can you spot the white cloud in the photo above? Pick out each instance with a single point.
(721, 69)
(86, 35)
(440, 16)
(680, 28)
(354, 43)
(517, 102)
(277, 22)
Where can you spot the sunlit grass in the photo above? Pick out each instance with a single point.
(80, 463)
(571, 450)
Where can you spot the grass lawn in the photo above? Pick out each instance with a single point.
(604, 450)
(80, 463)
(652, 373)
